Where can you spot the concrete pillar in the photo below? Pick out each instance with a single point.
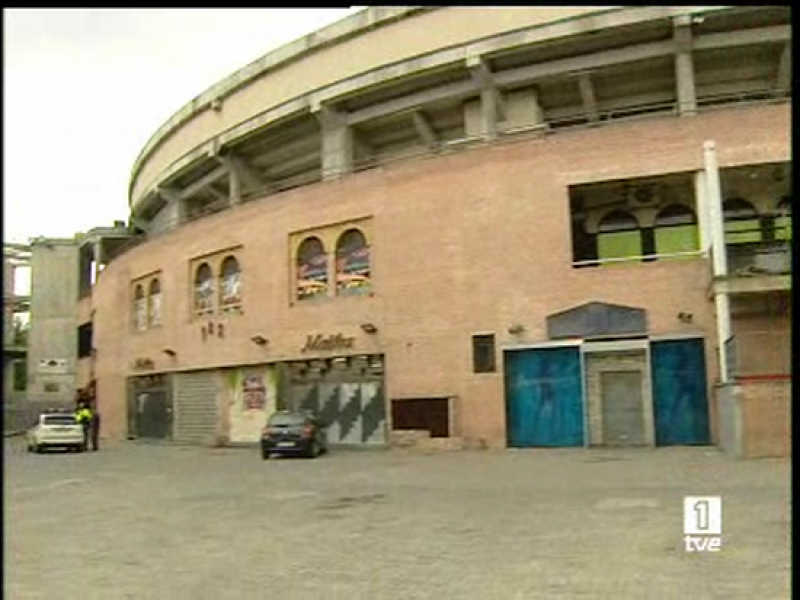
(684, 66)
(538, 113)
(716, 230)
(489, 114)
(99, 257)
(715, 214)
(235, 183)
(701, 206)
(337, 143)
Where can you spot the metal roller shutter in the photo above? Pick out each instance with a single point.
(196, 414)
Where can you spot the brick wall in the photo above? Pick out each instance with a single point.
(766, 418)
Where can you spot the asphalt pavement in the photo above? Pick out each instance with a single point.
(161, 522)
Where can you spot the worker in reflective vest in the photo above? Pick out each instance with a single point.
(84, 416)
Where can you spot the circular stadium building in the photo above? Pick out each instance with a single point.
(464, 227)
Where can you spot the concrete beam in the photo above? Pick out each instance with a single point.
(204, 181)
(452, 91)
(752, 285)
(424, 129)
(684, 67)
(218, 195)
(587, 95)
(743, 37)
(587, 62)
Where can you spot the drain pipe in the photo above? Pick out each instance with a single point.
(718, 253)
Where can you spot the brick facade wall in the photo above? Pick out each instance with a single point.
(470, 242)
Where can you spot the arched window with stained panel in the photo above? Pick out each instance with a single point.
(203, 290)
(140, 308)
(230, 297)
(353, 269)
(154, 303)
(311, 264)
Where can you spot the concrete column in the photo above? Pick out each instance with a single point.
(235, 183)
(538, 113)
(337, 143)
(99, 257)
(684, 66)
(716, 230)
(701, 205)
(715, 215)
(489, 114)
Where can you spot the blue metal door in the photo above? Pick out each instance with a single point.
(544, 397)
(679, 392)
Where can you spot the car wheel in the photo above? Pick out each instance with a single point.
(265, 454)
(38, 449)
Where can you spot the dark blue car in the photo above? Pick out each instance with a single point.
(293, 433)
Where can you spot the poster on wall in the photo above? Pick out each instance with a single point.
(254, 392)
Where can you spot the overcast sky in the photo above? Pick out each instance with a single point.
(84, 89)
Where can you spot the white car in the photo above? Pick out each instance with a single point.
(56, 430)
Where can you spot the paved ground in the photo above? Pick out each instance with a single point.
(159, 522)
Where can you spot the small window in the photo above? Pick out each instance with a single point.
(85, 340)
(483, 352)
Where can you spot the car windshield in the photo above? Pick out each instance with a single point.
(287, 419)
(58, 420)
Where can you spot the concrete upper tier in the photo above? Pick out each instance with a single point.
(360, 62)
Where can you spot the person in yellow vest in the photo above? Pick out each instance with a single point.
(84, 416)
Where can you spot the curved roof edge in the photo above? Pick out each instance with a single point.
(337, 31)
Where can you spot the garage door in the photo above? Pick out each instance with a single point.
(196, 414)
(679, 392)
(544, 397)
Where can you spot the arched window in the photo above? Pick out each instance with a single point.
(618, 236)
(154, 304)
(783, 221)
(230, 298)
(204, 290)
(353, 274)
(312, 270)
(742, 225)
(140, 308)
(676, 230)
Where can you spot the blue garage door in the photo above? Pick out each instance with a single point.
(679, 392)
(544, 397)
